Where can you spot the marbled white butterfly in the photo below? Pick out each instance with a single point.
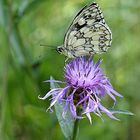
(87, 35)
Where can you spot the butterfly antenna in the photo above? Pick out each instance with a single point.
(49, 46)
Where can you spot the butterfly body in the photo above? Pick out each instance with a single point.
(87, 35)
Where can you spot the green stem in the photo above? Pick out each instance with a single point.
(75, 130)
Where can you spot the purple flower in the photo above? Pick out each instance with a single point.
(86, 86)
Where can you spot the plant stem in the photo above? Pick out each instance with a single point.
(75, 129)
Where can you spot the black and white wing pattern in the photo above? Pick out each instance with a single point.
(88, 34)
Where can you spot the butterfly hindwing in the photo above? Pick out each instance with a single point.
(90, 40)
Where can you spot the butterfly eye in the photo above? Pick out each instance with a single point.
(60, 50)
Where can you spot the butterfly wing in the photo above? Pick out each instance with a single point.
(89, 14)
(88, 33)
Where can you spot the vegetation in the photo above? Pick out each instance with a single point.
(24, 65)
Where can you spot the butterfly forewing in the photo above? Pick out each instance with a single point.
(90, 15)
(88, 33)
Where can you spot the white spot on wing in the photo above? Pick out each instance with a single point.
(81, 21)
(79, 42)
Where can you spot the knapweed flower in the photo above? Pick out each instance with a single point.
(86, 86)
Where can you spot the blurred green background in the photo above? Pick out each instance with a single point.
(24, 64)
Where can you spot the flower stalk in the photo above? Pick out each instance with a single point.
(75, 129)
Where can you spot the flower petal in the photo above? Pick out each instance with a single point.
(103, 109)
(51, 92)
(60, 94)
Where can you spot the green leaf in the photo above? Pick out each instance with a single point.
(67, 123)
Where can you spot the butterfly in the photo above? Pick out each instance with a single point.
(87, 35)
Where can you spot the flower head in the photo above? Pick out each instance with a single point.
(86, 85)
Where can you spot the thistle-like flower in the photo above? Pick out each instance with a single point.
(86, 86)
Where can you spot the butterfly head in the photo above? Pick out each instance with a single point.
(63, 50)
(60, 49)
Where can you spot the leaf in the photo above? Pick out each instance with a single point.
(67, 123)
(121, 112)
